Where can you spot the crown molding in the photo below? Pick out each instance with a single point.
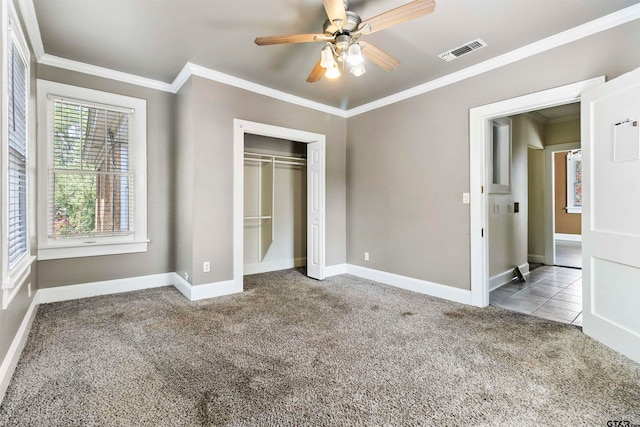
(207, 73)
(607, 22)
(181, 78)
(28, 13)
(81, 67)
(576, 33)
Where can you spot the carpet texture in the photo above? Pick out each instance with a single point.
(294, 351)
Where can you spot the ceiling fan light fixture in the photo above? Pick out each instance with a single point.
(358, 70)
(333, 72)
(326, 57)
(354, 56)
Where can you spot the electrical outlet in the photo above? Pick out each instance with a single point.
(186, 276)
(496, 209)
(206, 267)
(366, 256)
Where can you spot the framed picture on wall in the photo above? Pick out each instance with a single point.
(574, 181)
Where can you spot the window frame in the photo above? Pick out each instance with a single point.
(76, 247)
(15, 276)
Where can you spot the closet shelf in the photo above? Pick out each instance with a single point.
(268, 158)
(258, 217)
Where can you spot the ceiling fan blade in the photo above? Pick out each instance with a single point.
(409, 11)
(290, 38)
(335, 10)
(317, 73)
(379, 57)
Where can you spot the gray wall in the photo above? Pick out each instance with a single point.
(183, 182)
(408, 163)
(508, 230)
(160, 167)
(214, 106)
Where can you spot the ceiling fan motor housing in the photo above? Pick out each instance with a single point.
(352, 24)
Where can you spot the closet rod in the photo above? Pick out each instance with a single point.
(258, 160)
(258, 217)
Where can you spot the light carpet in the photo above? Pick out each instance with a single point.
(294, 351)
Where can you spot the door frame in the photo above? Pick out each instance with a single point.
(550, 198)
(316, 140)
(479, 145)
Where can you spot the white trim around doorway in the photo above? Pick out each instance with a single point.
(479, 118)
(240, 128)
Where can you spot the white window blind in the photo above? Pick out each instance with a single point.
(17, 154)
(91, 178)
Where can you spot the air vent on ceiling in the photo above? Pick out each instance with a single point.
(462, 50)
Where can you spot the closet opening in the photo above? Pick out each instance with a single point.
(275, 204)
(310, 215)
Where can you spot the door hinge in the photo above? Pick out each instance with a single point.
(482, 189)
(482, 232)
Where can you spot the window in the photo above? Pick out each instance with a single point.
(92, 172)
(16, 259)
(574, 181)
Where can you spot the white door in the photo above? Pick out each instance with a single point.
(315, 210)
(611, 213)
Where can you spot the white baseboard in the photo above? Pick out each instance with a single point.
(535, 259)
(208, 290)
(506, 276)
(335, 270)
(416, 285)
(265, 267)
(15, 350)
(568, 237)
(106, 287)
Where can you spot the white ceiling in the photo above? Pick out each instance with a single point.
(155, 38)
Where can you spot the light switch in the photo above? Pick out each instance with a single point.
(465, 198)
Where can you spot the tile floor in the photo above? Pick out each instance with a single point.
(568, 254)
(553, 293)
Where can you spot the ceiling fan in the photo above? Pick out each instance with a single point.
(341, 35)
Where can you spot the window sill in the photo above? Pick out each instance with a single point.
(86, 249)
(17, 277)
